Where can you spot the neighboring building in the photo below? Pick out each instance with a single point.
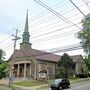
(29, 63)
(80, 65)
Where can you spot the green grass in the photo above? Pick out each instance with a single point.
(4, 85)
(36, 83)
(79, 80)
(30, 83)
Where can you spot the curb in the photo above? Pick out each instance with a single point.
(30, 88)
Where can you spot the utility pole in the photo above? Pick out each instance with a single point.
(11, 76)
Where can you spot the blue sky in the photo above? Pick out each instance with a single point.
(41, 21)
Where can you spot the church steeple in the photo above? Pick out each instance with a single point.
(26, 31)
(25, 45)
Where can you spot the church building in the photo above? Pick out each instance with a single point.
(29, 62)
(36, 64)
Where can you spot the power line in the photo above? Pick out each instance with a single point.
(59, 50)
(38, 15)
(77, 8)
(51, 17)
(54, 32)
(55, 13)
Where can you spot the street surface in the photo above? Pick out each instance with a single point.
(4, 88)
(85, 85)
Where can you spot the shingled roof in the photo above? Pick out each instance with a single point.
(39, 55)
(77, 58)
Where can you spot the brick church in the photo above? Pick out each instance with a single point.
(29, 62)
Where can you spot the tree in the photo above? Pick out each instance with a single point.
(3, 70)
(2, 54)
(84, 34)
(66, 62)
(87, 61)
(3, 65)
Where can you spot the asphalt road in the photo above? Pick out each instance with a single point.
(4, 88)
(85, 85)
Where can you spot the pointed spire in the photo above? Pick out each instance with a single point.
(26, 23)
(26, 31)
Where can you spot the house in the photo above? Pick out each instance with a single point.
(80, 68)
(29, 62)
(80, 65)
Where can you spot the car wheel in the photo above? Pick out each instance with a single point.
(68, 86)
(60, 88)
(53, 89)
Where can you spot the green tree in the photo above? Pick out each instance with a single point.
(3, 65)
(2, 54)
(3, 70)
(66, 62)
(84, 34)
(87, 61)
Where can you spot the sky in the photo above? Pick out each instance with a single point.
(47, 31)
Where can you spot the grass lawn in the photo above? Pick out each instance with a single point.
(36, 83)
(31, 83)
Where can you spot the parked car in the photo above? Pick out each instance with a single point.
(59, 84)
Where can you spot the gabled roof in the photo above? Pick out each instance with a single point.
(77, 58)
(40, 55)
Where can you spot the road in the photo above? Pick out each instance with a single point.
(85, 85)
(4, 88)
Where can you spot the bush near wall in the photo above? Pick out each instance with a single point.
(82, 75)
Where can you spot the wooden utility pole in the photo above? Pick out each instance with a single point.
(11, 76)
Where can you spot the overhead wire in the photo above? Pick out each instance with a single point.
(55, 51)
(55, 13)
(51, 17)
(53, 37)
(53, 31)
(38, 16)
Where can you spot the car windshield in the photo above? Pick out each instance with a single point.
(57, 81)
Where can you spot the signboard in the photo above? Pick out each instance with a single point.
(43, 74)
